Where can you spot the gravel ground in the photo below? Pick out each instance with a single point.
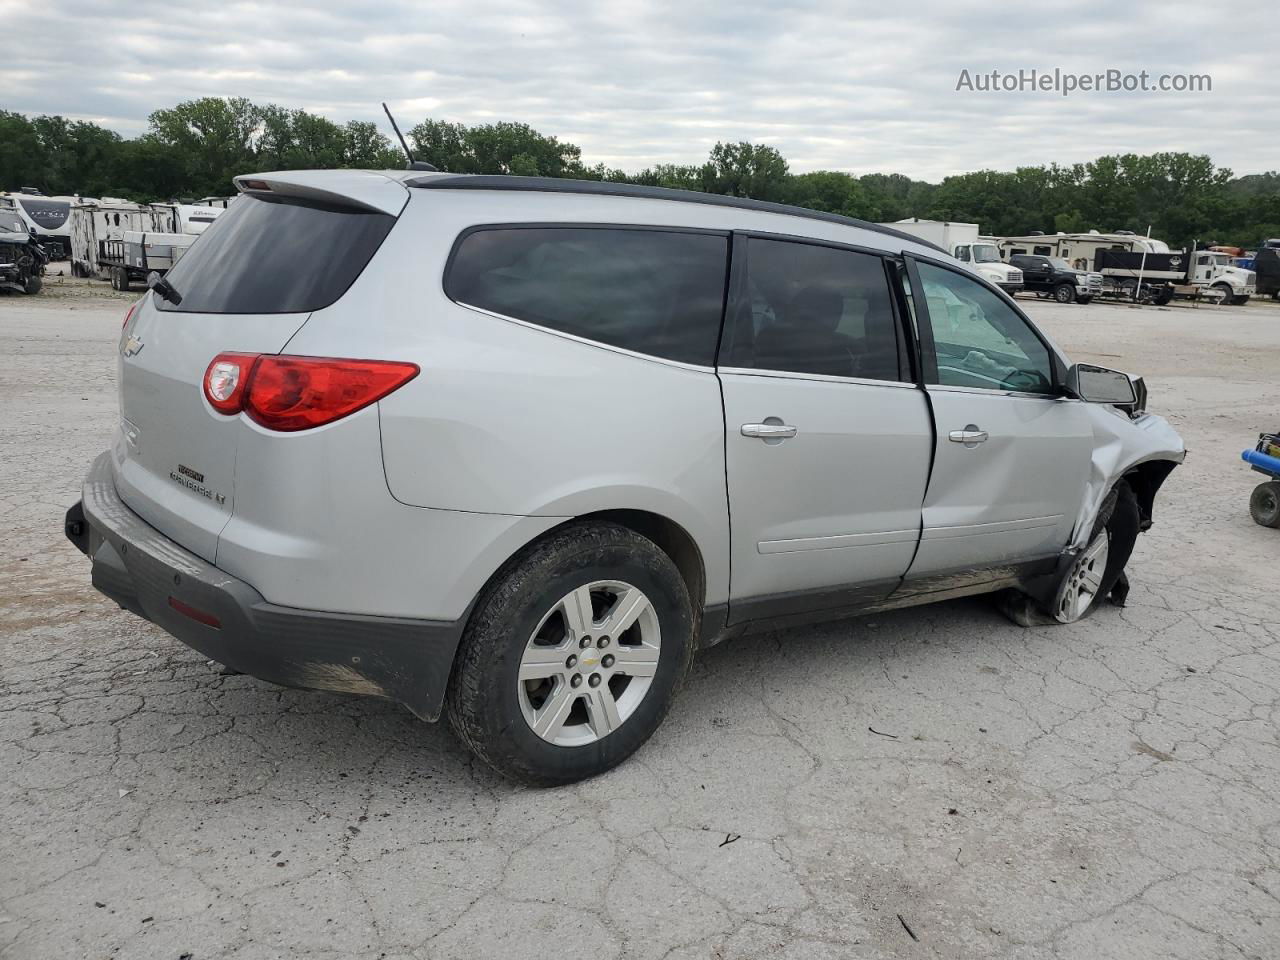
(933, 782)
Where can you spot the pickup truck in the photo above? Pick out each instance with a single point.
(1054, 277)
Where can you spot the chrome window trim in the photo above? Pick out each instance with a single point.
(696, 368)
(817, 377)
(991, 391)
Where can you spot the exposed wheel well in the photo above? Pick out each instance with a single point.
(1145, 480)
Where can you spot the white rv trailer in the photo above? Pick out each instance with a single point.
(1127, 259)
(195, 218)
(48, 219)
(97, 235)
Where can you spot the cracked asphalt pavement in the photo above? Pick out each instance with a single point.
(935, 782)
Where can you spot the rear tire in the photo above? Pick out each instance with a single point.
(120, 279)
(1239, 301)
(1099, 565)
(1264, 504)
(32, 286)
(537, 692)
(1064, 293)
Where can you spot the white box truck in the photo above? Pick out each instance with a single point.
(964, 242)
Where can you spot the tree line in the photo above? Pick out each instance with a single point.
(194, 149)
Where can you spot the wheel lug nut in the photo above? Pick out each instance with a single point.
(572, 661)
(604, 642)
(595, 680)
(575, 680)
(607, 661)
(584, 643)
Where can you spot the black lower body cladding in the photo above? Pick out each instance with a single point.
(227, 620)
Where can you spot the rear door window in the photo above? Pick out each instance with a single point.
(656, 292)
(276, 255)
(816, 310)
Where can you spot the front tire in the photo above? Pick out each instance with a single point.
(1264, 504)
(1225, 292)
(573, 656)
(1064, 293)
(1097, 568)
(32, 286)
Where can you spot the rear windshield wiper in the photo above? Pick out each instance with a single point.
(166, 290)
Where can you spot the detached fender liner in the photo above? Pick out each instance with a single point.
(401, 659)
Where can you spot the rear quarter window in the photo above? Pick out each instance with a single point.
(656, 292)
(276, 255)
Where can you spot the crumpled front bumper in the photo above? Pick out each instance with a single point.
(226, 619)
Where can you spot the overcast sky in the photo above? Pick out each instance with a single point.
(864, 87)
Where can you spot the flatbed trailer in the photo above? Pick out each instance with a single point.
(137, 255)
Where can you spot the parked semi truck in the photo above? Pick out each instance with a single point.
(1266, 262)
(1143, 268)
(964, 242)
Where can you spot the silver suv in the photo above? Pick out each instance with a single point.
(515, 448)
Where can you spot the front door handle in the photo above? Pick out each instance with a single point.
(970, 436)
(768, 431)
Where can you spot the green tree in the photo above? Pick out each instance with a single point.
(828, 190)
(746, 170)
(214, 135)
(22, 158)
(363, 147)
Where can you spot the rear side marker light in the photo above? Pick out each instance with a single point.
(196, 614)
(297, 393)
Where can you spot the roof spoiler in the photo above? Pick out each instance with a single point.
(357, 189)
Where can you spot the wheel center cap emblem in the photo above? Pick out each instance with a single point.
(589, 660)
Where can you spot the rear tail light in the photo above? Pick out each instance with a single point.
(297, 393)
(129, 314)
(225, 380)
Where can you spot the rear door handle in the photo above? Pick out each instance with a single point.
(970, 436)
(768, 431)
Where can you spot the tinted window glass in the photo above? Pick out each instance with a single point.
(276, 256)
(50, 214)
(979, 340)
(645, 290)
(817, 310)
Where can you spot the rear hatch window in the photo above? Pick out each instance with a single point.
(276, 255)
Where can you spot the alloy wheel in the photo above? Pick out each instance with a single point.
(1084, 580)
(589, 663)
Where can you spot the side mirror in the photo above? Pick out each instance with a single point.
(1095, 384)
(152, 279)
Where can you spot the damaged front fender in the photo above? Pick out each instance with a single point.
(1143, 450)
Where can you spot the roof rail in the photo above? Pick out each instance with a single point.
(604, 188)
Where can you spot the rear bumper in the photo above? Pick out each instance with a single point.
(401, 659)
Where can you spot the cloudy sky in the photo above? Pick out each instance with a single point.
(864, 87)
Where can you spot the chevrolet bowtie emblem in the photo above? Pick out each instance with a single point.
(133, 346)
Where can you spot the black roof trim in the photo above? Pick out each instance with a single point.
(484, 181)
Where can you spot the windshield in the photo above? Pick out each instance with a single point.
(1060, 264)
(985, 253)
(11, 224)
